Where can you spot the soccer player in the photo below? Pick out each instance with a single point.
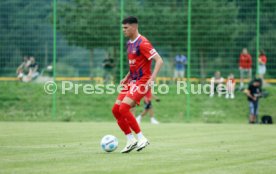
(148, 108)
(140, 54)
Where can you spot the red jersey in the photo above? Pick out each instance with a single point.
(139, 53)
(263, 59)
(245, 61)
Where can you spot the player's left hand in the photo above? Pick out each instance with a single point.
(150, 83)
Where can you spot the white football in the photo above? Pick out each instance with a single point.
(109, 143)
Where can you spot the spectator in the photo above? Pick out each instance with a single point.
(253, 93)
(230, 86)
(33, 70)
(245, 65)
(180, 62)
(23, 68)
(148, 108)
(108, 65)
(262, 65)
(216, 81)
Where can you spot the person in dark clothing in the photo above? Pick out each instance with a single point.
(254, 92)
(108, 65)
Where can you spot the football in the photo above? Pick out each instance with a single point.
(109, 143)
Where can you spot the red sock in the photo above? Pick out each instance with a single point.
(120, 119)
(125, 112)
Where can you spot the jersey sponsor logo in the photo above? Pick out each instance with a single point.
(152, 51)
(132, 62)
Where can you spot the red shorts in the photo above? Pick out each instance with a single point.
(134, 90)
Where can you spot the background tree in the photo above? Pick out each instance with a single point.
(25, 30)
(90, 24)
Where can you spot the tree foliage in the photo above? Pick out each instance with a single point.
(89, 23)
(220, 29)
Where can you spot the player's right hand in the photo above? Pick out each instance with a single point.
(123, 81)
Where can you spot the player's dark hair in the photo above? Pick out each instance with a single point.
(130, 20)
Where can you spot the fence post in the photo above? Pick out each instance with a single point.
(54, 57)
(188, 61)
(257, 36)
(121, 40)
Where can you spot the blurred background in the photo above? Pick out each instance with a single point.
(81, 41)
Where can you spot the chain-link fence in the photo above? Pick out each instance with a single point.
(82, 39)
(89, 31)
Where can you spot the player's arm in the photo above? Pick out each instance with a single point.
(150, 53)
(158, 64)
(155, 98)
(125, 79)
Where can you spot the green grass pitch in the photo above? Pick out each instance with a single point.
(70, 148)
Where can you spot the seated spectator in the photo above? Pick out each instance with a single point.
(108, 65)
(23, 68)
(216, 81)
(230, 86)
(33, 70)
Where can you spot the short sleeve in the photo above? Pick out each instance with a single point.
(147, 50)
